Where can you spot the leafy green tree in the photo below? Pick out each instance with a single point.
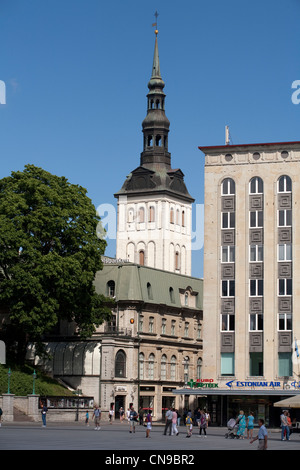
(49, 254)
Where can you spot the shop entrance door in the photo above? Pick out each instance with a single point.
(119, 402)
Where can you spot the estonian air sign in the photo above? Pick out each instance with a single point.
(247, 383)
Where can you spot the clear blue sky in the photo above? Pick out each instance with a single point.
(76, 74)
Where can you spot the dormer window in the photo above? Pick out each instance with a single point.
(111, 288)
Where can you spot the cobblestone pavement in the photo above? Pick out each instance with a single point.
(116, 437)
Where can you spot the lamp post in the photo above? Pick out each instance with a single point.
(33, 385)
(8, 381)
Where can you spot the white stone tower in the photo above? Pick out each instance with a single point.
(154, 206)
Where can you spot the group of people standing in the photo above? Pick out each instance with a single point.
(201, 419)
(171, 422)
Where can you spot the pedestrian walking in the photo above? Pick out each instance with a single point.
(178, 418)
(174, 423)
(242, 424)
(202, 423)
(289, 421)
(148, 423)
(87, 418)
(133, 419)
(197, 417)
(169, 416)
(111, 414)
(207, 415)
(262, 436)
(285, 430)
(97, 417)
(141, 416)
(122, 414)
(44, 414)
(1, 413)
(189, 424)
(250, 425)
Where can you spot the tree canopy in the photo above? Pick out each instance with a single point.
(49, 254)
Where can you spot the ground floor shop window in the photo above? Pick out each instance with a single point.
(147, 403)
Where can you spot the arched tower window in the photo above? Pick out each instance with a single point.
(151, 214)
(158, 141)
(142, 258)
(171, 215)
(120, 364)
(177, 261)
(141, 214)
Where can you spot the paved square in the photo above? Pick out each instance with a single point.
(116, 437)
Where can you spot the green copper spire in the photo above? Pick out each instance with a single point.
(156, 80)
(156, 66)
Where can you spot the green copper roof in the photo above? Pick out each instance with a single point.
(131, 284)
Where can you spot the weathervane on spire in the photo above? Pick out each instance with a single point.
(155, 24)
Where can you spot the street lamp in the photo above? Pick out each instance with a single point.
(33, 385)
(8, 381)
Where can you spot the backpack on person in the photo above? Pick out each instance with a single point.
(188, 420)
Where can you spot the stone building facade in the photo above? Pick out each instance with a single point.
(151, 346)
(251, 263)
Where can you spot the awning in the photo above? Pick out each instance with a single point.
(291, 402)
(235, 391)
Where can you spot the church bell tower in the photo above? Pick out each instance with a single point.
(154, 206)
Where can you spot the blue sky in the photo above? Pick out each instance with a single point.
(76, 74)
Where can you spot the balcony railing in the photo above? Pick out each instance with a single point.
(113, 330)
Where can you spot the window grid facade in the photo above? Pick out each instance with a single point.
(227, 284)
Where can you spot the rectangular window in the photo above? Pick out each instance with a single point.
(198, 330)
(228, 288)
(141, 323)
(227, 322)
(256, 219)
(228, 254)
(285, 287)
(256, 287)
(173, 323)
(285, 366)
(285, 252)
(256, 253)
(256, 322)
(285, 218)
(227, 363)
(186, 330)
(285, 322)
(228, 219)
(151, 325)
(256, 364)
(163, 326)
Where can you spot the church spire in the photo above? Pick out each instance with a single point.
(156, 124)
(156, 66)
